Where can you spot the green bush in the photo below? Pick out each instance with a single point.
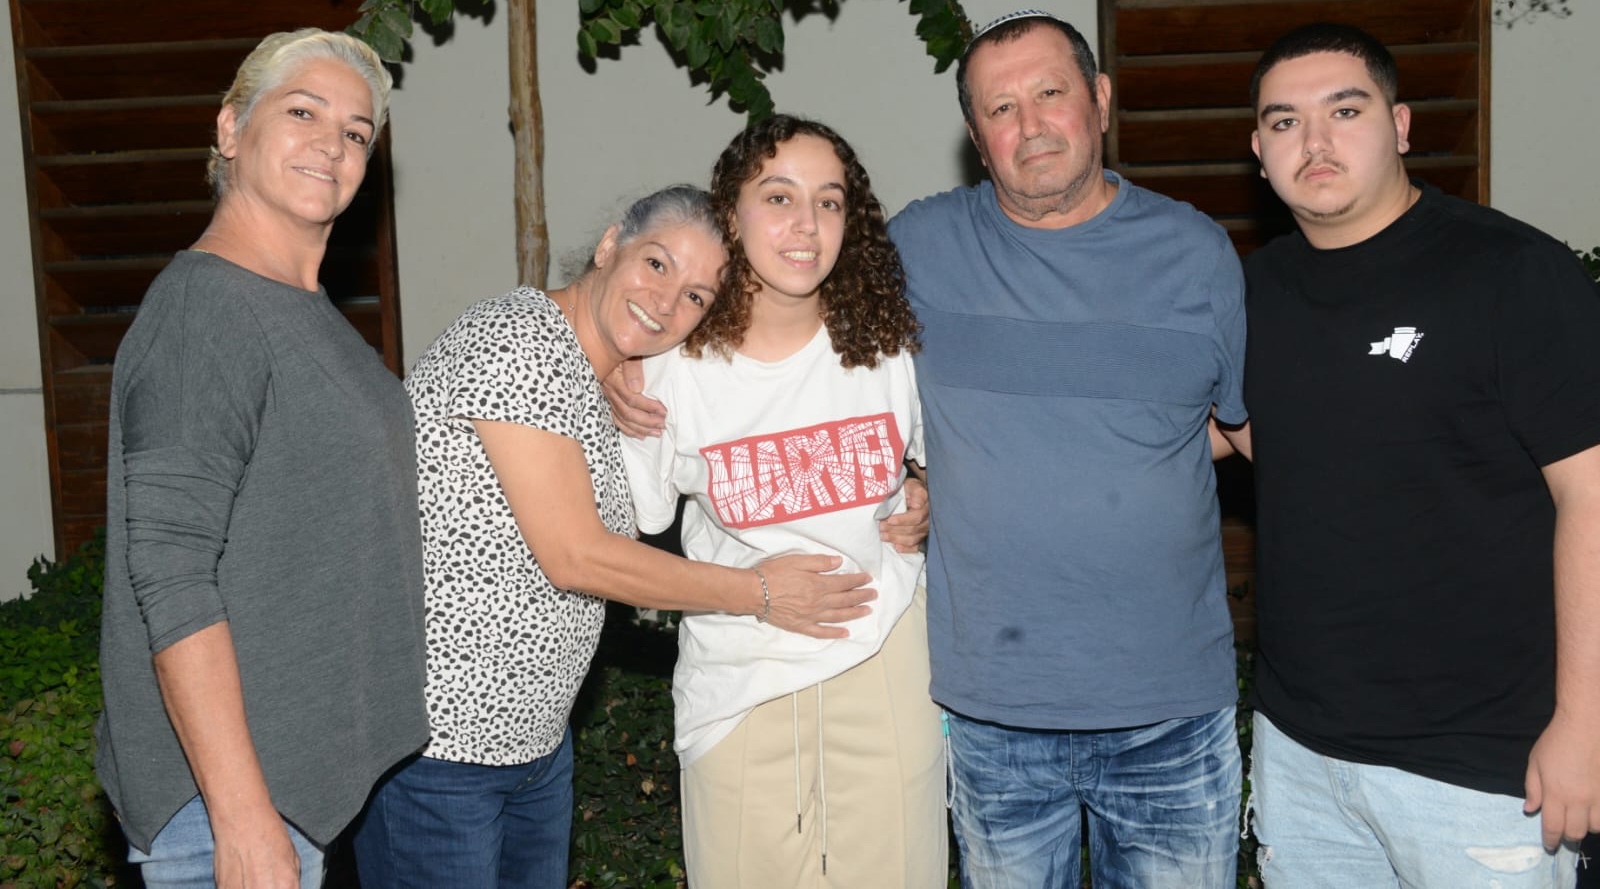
(56, 829)
(626, 826)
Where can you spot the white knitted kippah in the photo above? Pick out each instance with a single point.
(1011, 17)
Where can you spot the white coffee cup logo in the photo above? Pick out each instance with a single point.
(1401, 341)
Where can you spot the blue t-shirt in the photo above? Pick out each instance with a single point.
(1075, 575)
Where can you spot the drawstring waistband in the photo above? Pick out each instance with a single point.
(822, 777)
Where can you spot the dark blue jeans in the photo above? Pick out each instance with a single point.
(433, 823)
(1162, 802)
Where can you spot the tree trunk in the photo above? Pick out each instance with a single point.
(527, 131)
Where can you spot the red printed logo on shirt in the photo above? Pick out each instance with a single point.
(805, 472)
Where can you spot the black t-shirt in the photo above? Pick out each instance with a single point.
(1403, 394)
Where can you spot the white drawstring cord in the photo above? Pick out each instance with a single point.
(794, 722)
(822, 784)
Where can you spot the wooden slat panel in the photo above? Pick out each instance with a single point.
(86, 128)
(128, 177)
(71, 287)
(1150, 29)
(127, 71)
(126, 231)
(82, 447)
(83, 491)
(72, 532)
(1460, 180)
(90, 22)
(94, 338)
(83, 398)
(1150, 83)
(1223, 80)
(1166, 137)
(1218, 191)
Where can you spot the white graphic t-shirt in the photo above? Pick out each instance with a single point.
(794, 456)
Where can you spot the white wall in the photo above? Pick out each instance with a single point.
(25, 530)
(1546, 124)
(452, 178)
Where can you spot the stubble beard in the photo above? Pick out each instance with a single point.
(1036, 205)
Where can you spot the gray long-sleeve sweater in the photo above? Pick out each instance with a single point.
(261, 471)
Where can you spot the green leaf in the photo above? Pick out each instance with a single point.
(439, 10)
(769, 35)
(389, 45)
(668, 13)
(605, 31)
(726, 32)
(590, 7)
(586, 45)
(628, 16)
(697, 52)
(396, 19)
(678, 37)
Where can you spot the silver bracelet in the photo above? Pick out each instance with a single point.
(766, 598)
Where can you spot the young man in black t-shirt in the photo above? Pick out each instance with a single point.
(1425, 424)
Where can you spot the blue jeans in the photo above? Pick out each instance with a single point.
(433, 823)
(182, 855)
(1162, 802)
(1328, 823)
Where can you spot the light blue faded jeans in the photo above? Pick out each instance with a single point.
(1326, 822)
(182, 855)
(1162, 802)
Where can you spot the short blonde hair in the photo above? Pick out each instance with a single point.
(276, 58)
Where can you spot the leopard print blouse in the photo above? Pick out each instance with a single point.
(506, 649)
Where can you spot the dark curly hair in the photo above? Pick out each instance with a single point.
(863, 300)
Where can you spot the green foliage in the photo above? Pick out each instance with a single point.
(385, 25)
(626, 821)
(730, 44)
(944, 27)
(734, 44)
(56, 828)
(1591, 262)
